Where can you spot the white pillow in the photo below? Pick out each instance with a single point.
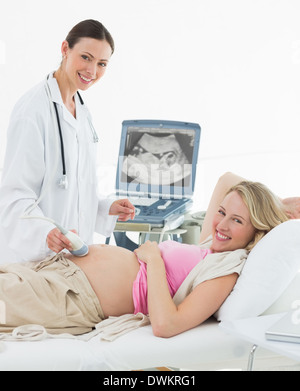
(285, 301)
(270, 268)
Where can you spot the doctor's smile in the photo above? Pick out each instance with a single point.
(85, 79)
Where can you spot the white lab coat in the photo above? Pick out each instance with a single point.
(33, 166)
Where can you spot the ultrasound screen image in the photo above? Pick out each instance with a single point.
(156, 156)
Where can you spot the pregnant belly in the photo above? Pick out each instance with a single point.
(111, 271)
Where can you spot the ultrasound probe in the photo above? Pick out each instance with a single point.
(80, 249)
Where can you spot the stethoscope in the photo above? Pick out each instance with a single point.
(79, 247)
(63, 182)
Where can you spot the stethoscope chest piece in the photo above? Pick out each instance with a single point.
(63, 182)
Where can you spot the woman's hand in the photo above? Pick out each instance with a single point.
(123, 208)
(56, 241)
(292, 207)
(148, 251)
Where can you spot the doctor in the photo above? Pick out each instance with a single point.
(50, 162)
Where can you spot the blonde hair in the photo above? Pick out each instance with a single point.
(265, 208)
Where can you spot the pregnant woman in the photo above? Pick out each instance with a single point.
(65, 293)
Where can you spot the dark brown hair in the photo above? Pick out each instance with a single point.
(89, 29)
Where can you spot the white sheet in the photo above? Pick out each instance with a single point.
(206, 347)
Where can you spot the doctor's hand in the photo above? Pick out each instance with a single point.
(123, 208)
(56, 241)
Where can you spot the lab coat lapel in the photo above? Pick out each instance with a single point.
(68, 117)
(56, 97)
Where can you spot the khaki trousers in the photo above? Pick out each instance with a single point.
(54, 293)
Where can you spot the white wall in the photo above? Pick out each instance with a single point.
(233, 66)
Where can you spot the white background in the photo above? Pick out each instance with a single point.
(233, 66)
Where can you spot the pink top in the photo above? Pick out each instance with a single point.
(179, 260)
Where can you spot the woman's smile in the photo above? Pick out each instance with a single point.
(221, 237)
